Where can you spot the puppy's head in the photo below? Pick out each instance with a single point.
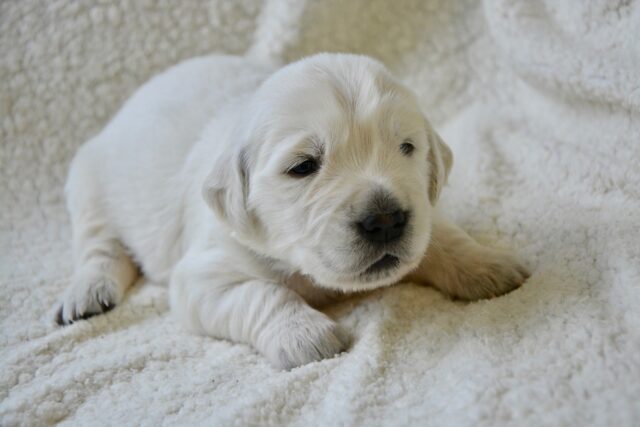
(334, 172)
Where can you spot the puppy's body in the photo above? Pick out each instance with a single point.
(198, 180)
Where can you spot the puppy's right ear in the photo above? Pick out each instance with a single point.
(226, 190)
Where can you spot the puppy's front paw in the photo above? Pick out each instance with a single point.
(91, 293)
(489, 274)
(301, 338)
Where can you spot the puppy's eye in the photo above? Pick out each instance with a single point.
(303, 169)
(407, 147)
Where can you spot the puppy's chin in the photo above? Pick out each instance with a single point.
(383, 272)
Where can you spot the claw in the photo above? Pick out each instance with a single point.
(59, 319)
(106, 306)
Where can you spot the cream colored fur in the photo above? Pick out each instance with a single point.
(190, 183)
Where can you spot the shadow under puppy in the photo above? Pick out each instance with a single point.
(258, 192)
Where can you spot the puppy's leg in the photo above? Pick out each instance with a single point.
(103, 269)
(212, 299)
(462, 268)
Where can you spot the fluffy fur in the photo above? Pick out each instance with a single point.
(191, 183)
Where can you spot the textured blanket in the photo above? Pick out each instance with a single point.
(540, 101)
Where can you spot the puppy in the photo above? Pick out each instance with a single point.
(258, 193)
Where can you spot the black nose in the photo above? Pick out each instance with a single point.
(383, 227)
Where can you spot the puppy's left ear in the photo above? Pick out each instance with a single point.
(440, 160)
(226, 191)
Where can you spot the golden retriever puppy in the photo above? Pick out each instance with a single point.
(255, 192)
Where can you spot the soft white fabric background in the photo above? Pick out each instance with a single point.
(540, 101)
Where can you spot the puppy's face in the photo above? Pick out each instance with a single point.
(339, 173)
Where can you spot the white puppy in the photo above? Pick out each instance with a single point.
(257, 193)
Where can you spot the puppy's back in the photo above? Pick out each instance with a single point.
(137, 160)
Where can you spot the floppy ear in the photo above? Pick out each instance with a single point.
(440, 161)
(226, 190)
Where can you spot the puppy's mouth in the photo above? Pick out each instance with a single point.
(386, 263)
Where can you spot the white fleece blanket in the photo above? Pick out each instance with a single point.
(540, 101)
